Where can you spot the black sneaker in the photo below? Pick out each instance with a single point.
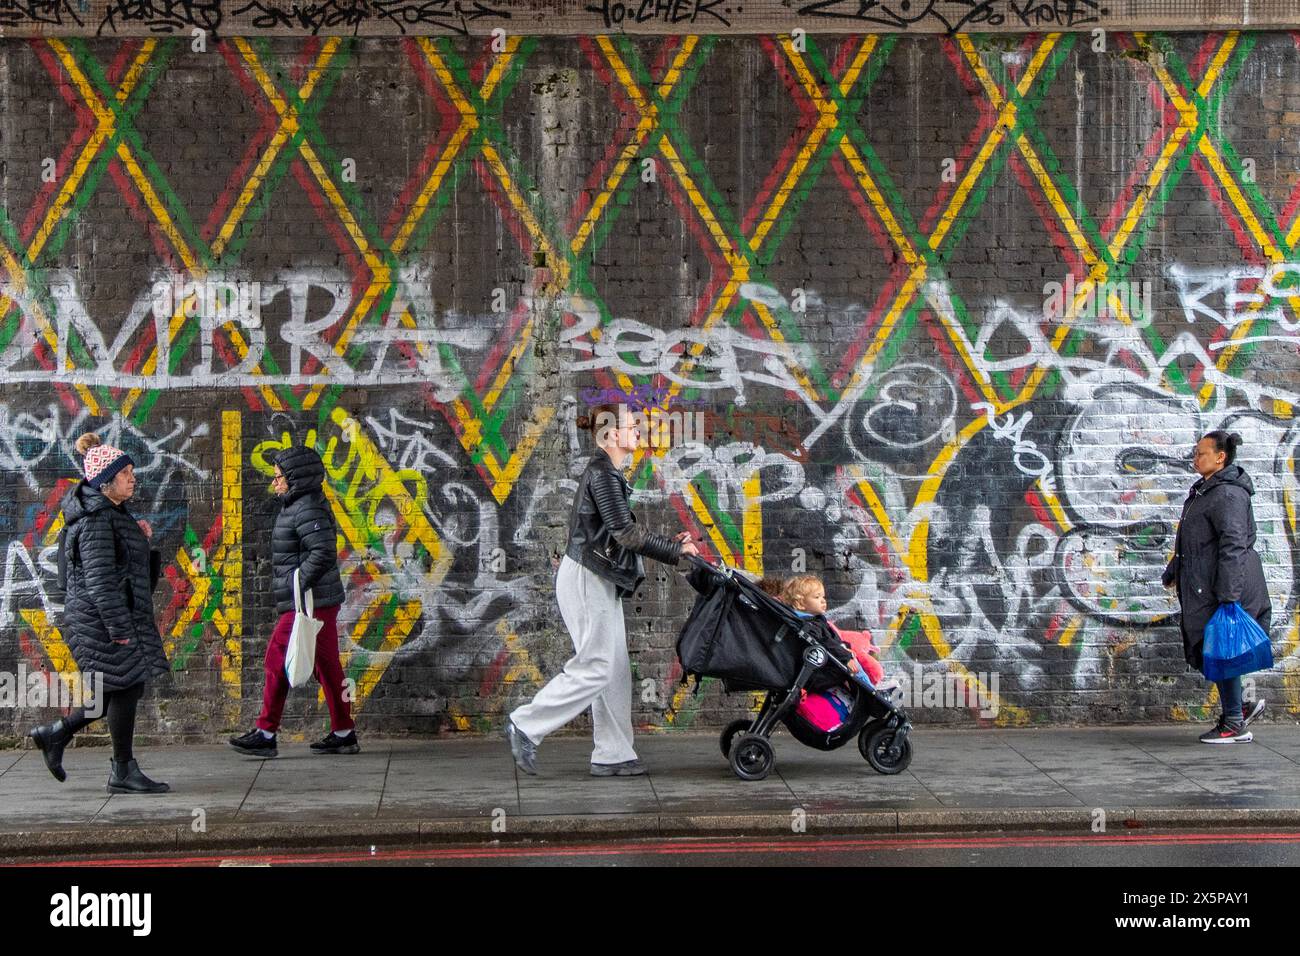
(255, 744)
(1249, 711)
(334, 744)
(1228, 732)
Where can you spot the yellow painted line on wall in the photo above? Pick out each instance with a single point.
(752, 524)
(1291, 675)
(1054, 506)
(507, 476)
(56, 649)
(508, 366)
(232, 544)
(710, 526)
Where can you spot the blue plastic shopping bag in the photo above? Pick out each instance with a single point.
(1234, 644)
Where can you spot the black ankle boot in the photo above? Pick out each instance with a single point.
(127, 778)
(51, 739)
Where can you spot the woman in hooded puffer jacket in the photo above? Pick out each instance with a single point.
(108, 616)
(303, 540)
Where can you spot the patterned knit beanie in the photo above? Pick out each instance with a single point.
(102, 462)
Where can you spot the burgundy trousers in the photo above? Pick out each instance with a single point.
(328, 671)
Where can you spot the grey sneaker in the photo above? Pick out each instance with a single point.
(629, 768)
(523, 749)
(1249, 711)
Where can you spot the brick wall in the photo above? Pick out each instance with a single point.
(841, 260)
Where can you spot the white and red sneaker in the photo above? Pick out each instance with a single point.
(1228, 732)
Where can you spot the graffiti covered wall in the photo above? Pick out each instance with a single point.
(947, 315)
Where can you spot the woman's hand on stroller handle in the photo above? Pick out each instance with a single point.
(688, 546)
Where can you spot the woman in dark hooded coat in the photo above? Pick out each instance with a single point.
(108, 617)
(303, 540)
(1215, 563)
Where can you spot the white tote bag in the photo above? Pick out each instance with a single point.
(300, 662)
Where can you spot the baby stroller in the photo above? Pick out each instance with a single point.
(753, 642)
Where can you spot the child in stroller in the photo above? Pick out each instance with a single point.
(751, 640)
(828, 709)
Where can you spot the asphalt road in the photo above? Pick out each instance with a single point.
(1248, 848)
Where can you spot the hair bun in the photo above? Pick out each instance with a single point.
(1235, 440)
(584, 423)
(86, 442)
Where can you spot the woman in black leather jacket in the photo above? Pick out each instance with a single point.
(601, 564)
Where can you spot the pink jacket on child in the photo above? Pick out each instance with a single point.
(828, 710)
(859, 642)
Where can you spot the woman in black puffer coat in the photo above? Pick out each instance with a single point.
(303, 540)
(1215, 563)
(108, 618)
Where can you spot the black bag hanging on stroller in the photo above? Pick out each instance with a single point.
(753, 642)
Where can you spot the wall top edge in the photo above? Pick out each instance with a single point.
(482, 18)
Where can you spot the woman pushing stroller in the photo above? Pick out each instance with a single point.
(601, 564)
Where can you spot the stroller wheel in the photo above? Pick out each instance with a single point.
(752, 757)
(878, 746)
(729, 734)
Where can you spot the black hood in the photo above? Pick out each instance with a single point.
(1228, 475)
(81, 501)
(303, 469)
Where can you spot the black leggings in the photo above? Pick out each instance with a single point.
(120, 711)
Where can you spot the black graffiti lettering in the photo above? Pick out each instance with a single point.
(953, 15)
(979, 13)
(312, 17)
(895, 14)
(163, 16)
(17, 12)
(1061, 13)
(450, 15)
(614, 12)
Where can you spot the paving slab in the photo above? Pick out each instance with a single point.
(982, 769)
(564, 785)
(694, 778)
(9, 758)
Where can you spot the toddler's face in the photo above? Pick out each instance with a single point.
(814, 600)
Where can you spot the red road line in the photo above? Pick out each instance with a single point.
(695, 848)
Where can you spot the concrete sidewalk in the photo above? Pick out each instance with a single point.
(408, 791)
